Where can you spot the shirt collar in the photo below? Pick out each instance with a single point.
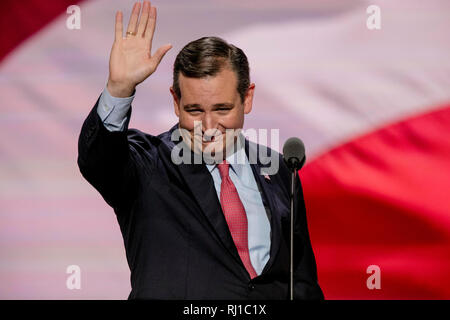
(237, 161)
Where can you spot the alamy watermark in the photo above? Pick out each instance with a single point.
(373, 21)
(74, 280)
(374, 280)
(73, 22)
(212, 146)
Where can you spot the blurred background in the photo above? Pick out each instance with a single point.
(372, 106)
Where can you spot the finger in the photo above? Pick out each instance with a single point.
(119, 25)
(144, 18)
(150, 29)
(134, 17)
(160, 53)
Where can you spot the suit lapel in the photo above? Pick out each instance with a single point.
(201, 183)
(268, 191)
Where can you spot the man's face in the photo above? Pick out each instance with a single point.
(215, 104)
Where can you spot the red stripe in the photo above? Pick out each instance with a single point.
(20, 19)
(384, 199)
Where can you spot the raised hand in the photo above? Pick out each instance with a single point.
(131, 61)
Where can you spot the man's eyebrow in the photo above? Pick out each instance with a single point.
(217, 105)
(224, 104)
(191, 106)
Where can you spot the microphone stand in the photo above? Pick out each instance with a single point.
(291, 255)
(294, 156)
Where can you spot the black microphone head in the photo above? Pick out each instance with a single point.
(294, 153)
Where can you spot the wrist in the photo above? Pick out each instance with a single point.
(120, 90)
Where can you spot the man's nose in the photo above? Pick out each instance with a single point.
(209, 127)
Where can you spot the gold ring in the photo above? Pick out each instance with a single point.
(131, 33)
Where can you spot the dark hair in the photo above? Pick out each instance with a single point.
(206, 57)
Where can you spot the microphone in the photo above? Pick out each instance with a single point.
(294, 153)
(294, 156)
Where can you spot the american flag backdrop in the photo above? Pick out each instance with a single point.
(372, 107)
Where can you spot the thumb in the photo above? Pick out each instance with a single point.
(159, 54)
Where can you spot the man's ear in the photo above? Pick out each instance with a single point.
(248, 100)
(176, 102)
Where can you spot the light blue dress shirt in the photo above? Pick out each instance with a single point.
(113, 111)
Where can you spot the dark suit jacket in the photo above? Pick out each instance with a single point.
(177, 241)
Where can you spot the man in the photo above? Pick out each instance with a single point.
(193, 230)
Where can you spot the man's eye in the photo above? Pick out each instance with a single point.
(193, 110)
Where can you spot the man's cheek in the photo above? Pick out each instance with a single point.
(188, 125)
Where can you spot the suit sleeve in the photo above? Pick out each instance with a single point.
(107, 160)
(306, 284)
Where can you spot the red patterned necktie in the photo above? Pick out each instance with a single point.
(235, 216)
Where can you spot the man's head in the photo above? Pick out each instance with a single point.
(211, 85)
